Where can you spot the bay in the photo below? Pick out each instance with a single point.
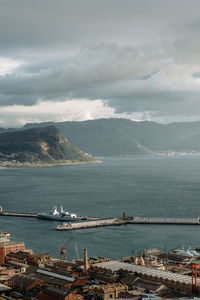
(141, 186)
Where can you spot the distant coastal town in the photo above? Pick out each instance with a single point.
(151, 274)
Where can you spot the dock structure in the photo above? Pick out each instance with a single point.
(18, 214)
(89, 224)
(130, 220)
(173, 221)
(99, 222)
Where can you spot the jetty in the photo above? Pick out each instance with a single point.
(173, 221)
(130, 220)
(18, 214)
(90, 222)
(34, 215)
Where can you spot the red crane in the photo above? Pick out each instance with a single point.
(194, 277)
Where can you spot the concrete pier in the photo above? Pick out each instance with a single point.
(178, 221)
(132, 220)
(89, 224)
(17, 214)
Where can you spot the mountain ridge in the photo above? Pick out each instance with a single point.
(107, 137)
(39, 145)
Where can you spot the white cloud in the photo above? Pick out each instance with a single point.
(61, 111)
(69, 110)
(7, 65)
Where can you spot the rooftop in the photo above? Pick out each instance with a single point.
(116, 265)
(48, 277)
(19, 254)
(38, 255)
(4, 288)
(55, 275)
(56, 292)
(10, 243)
(22, 279)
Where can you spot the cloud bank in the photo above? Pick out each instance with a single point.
(70, 60)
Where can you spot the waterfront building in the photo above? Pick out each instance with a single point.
(8, 247)
(20, 257)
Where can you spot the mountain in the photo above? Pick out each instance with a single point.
(106, 137)
(102, 137)
(39, 145)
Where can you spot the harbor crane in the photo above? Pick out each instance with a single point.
(63, 251)
(77, 252)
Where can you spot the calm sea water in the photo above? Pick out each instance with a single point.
(141, 186)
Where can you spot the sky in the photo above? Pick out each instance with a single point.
(76, 60)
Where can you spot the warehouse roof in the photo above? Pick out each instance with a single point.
(116, 265)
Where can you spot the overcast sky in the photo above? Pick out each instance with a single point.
(86, 59)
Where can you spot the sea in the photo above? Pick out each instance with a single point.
(139, 186)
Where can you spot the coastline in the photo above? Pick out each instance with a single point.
(57, 164)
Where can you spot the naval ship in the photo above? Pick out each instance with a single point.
(61, 215)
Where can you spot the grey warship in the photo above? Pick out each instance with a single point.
(60, 215)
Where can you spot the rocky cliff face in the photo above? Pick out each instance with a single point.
(44, 144)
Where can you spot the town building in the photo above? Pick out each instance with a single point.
(108, 291)
(38, 258)
(8, 247)
(51, 293)
(23, 284)
(20, 256)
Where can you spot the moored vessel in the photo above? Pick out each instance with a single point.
(61, 215)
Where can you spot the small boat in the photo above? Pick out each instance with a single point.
(61, 215)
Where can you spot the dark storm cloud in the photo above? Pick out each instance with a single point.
(137, 55)
(77, 76)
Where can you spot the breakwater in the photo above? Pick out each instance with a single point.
(98, 222)
(18, 214)
(130, 220)
(150, 220)
(89, 224)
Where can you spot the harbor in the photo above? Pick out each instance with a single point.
(74, 222)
